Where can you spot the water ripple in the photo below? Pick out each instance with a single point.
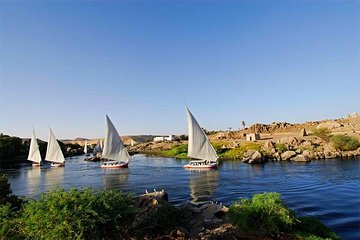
(326, 189)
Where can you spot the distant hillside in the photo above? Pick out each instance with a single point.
(125, 139)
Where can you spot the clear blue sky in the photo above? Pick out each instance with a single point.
(67, 64)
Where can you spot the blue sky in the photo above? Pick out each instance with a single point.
(68, 63)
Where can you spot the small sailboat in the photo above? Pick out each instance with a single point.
(34, 152)
(97, 148)
(86, 149)
(53, 152)
(199, 146)
(114, 149)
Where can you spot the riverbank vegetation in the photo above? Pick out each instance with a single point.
(344, 143)
(109, 214)
(180, 150)
(266, 215)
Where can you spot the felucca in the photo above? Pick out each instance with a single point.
(97, 148)
(34, 153)
(114, 149)
(85, 149)
(199, 146)
(53, 152)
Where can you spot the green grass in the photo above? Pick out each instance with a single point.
(178, 151)
(237, 153)
(280, 147)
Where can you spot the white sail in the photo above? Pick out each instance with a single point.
(97, 148)
(34, 153)
(199, 145)
(53, 151)
(85, 147)
(113, 146)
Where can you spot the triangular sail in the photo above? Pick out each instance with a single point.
(85, 147)
(53, 151)
(199, 145)
(113, 146)
(34, 153)
(97, 148)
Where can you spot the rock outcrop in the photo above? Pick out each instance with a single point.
(257, 157)
(303, 133)
(300, 158)
(287, 155)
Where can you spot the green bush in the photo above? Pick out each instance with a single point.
(280, 147)
(263, 215)
(323, 133)
(8, 225)
(77, 214)
(312, 229)
(344, 143)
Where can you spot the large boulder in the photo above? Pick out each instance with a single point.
(257, 157)
(211, 211)
(247, 155)
(269, 145)
(309, 154)
(332, 154)
(288, 155)
(290, 141)
(300, 158)
(151, 199)
(303, 132)
(277, 156)
(307, 143)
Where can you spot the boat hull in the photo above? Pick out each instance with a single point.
(200, 165)
(57, 165)
(115, 165)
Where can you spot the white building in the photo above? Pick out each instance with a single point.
(170, 138)
(158, 139)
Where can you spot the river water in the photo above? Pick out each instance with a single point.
(326, 189)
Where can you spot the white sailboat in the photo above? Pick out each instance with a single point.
(34, 153)
(97, 148)
(199, 146)
(53, 152)
(86, 149)
(114, 149)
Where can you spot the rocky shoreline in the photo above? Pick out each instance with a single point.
(274, 142)
(298, 151)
